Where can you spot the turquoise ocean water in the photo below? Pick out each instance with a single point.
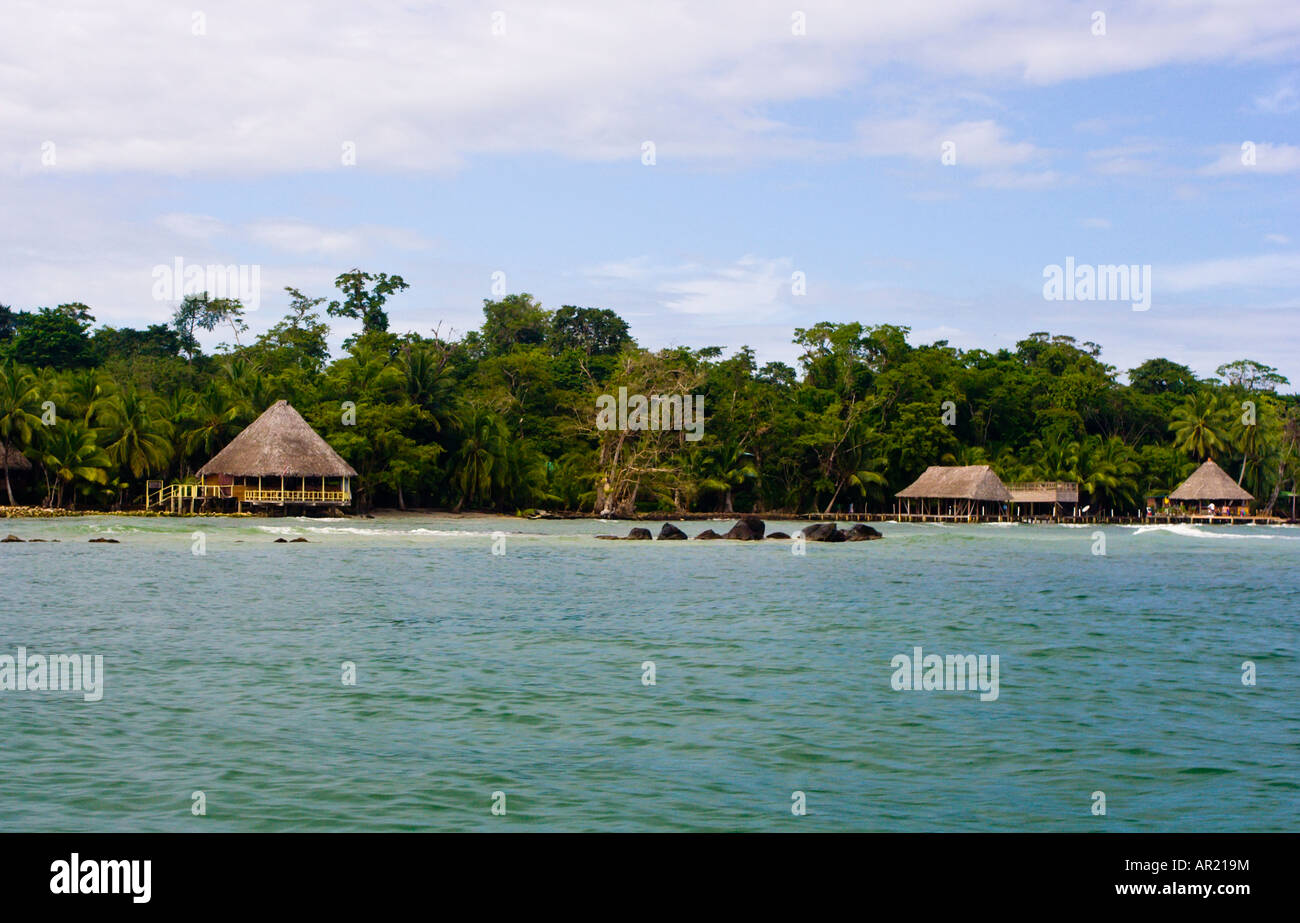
(522, 673)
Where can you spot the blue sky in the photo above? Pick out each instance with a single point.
(136, 134)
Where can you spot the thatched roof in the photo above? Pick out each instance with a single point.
(969, 482)
(17, 460)
(1045, 492)
(1209, 482)
(279, 442)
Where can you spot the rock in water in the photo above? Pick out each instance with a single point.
(106, 541)
(639, 535)
(10, 538)
(863, 533)
(744, 531)
(824, 532)
(280, 540)
(671, 533)
(291, 541)
(777, 535)
(707, 534)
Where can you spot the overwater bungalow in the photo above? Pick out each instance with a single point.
(1211, 485)
(1045, 498)
(961, 492)
(278, 460)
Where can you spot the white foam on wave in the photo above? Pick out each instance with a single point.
(1187, 530)
(373, 531)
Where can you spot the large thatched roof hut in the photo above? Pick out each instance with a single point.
(278, 459)
(964, 490)
(1210, 484)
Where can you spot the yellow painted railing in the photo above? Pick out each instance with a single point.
(159, 494)
(253, 495)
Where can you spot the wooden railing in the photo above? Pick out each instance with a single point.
(159, 494)
(253, 495)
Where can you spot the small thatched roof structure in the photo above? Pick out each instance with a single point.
(967, 482)
(1044, 492)
(17, 460)
(278, 443)
(1210, 482)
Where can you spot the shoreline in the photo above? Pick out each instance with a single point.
(35, 512)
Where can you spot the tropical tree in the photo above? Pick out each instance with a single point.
(19, 402)
(1199, 425)
(136, 437)
(71, 453)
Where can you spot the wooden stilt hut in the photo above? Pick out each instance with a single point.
(955, 492)
(1210, 484)
(278, 460)
(1054, 499)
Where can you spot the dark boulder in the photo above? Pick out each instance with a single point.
(777, 535)
(863, 533)
(755, 525)
(636, 535)
(708, 533)
(291, 541)
(106, 541)
(279, 541)
(671, 533)
(824, 532)
(10, 538)
(744, 531)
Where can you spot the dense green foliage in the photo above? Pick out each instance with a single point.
(504, 417)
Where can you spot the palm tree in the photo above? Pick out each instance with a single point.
(729, 467)
(86, 392)
(18, 403)
(1107, 471)
(136, 438)
(1198, 425)
(71, 454)
(210, 423)
(480, 460)
(1054, 459)
(426, 380)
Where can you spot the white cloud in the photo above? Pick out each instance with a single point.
(281, 87)
(301, 237)
(195, 227)
(1282, 100)
(1268, 270)
(1268, 158)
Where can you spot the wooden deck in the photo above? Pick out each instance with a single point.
(175, 496)
(1187, 519)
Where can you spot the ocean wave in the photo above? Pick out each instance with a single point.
(1187, 530)
(376, 532)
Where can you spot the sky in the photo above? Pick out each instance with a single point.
(718, 173)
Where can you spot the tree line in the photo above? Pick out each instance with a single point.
(503, 417)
